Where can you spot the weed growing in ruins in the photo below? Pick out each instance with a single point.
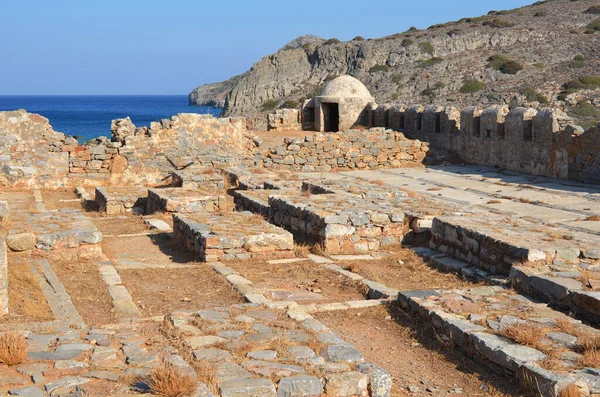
(13, 348)
(301, 250)
(207, 375)
(533, 96)
(169, 381)
(593, 26)
(430, 62)
(585, 109)
(525, 334)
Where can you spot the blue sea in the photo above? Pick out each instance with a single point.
(90, 116)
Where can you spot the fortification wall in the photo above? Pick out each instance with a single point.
(351, 149)
(277, 120)
(536, 142)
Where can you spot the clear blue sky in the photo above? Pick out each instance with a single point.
(172, 46)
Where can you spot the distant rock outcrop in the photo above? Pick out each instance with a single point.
(522, 57)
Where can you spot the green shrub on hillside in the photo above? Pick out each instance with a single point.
(426, 47)
(539, 65)
(379, 68)
(533, 96)
(397, 79)
(290, 104)
(540, 14)
(590, 81)
(593, 26)
(269, 105)
(430, 62)
(503, 64)
(471, 85)
(584, 109)
(498, 23)
(332, 41)
(407, 42)
(593, 10)
(358, 38)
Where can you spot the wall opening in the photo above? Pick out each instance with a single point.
(528, 130)
(331, 117)
(476, 127)
(501, 132)
(402, 120)
(419, 121)
(438, 123)
(488, 132)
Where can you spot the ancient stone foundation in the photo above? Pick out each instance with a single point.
(186, 200)
(236, 235)
(121, 200)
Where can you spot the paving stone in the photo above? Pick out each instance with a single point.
(8, 378)
(230, 371)
(380, 379)
(247, 388)
(30, 369)
(178, 362)
(555, 288)
(301, 353)
(67, 382)
(106, 375)
(198, 342)
(314, 325)
(347, 384)
(212, 355)
(157, 224)
(263, 355)
(562, 338)
(502, 352)
(269, 368)
(261, 328)
(214, 316)
(139, 357)
(29, 391)
(319, 259)
(231, 334)
(261, 337)
(264, 315)
(330, 338)
(300, 386)
(102, 353)
(202, 391)
(71, 364)
(343, 352)
(79, 347)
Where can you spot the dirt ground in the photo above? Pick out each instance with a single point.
(89, 293)
(52, 199)
(415, 355)
(303, 276)
(414, 274)
(119, 225)
(26, 301)
(160, 291)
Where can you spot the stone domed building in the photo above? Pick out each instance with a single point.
(343, 104)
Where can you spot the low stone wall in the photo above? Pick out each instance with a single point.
(351, 149)
(121, 200)
(3, 278)
(216, 237)
(184, 200)
(277, 120)
(207, 178)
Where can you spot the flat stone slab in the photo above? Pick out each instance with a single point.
(247, 387)
(157, 224)
(300, 385)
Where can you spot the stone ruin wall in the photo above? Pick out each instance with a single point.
(544, 142)
(33, 154)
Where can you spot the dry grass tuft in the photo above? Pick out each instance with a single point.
(207, 374)
(13, 348)
(378, 182)
(301, 250)
(593, 218)
(169, 381)
(434, 189)
(571, 391)
(590, 358)
(316, 345)
(494, 202)
(282, 346)
(566, 326)
(208, 171)
(588, 342)
(587, 275)
(511, 221)
(525, 334)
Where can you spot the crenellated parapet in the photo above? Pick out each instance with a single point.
(538, 142)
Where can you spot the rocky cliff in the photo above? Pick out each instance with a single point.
(546, 53)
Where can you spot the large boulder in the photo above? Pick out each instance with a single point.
(21, 241)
